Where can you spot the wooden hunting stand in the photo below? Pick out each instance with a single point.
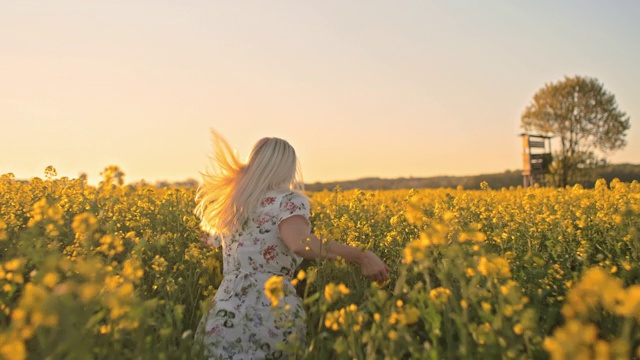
(536, 158)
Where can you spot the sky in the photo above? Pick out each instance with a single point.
(360, 88)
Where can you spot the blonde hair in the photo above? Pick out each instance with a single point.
(231, 190)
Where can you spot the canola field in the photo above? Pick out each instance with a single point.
(119, 272)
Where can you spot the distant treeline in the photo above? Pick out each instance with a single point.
(624, 172)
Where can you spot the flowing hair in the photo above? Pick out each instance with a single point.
(231, 190)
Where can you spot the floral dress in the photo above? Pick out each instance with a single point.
(240, 322)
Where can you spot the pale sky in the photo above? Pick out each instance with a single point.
(359, 88)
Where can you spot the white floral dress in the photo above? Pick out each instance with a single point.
(241, 323)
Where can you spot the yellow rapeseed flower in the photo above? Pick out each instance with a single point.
(84, 224)
(273, 289)
(125, 290)
(440, 296)
(301, 275)
(13, 349)
(470, 272)
(410, 315)
(483, 264)
(88, 291)
(18, 316)
(332, 292)
(344, 290)
(3, 231)
(485, 306)
(111, 282)
(629, 302)
(131, 269)
(51, 279)
(408, 255)
(13, 264)
(518, 329)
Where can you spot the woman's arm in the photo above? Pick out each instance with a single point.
(294, 231)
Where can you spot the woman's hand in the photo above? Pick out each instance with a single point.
(373, 268)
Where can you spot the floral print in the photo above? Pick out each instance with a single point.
(240, 322)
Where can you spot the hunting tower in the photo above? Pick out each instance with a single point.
(536, 158)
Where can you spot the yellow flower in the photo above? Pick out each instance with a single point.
(131, 269)
(393, 318)
(3, 231)
(88, 291)
(329, 320)
(273, 289)
(410, 315)
(408, 255)
(84, 223)
(13, 265)
(497, 266)
(18, 316)
(439, 293)
(518, 328)
(14, 349)
(125, 291)
(112, 281)
(601, 350)
(51, 279)
(629, 302)
(508, 311)
(470, 272)
(301, 275)
(504, 289)
(482, 266)
(440, 296)
(332, 292)
(117, 310)
(393, 335)
(486, 306)
(344, 290)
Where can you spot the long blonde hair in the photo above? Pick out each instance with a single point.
(231, 190)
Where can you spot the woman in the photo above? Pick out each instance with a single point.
(263, 227)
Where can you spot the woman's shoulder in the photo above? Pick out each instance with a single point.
(289, 194)
(279, 197)
(292, 194)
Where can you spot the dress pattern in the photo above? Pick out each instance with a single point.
(240, 322)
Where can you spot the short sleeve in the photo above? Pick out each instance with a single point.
(294, 203)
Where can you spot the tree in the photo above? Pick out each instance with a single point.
(50, 172)
(585, 117)
(112, 174)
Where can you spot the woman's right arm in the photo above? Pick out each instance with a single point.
(294, 231)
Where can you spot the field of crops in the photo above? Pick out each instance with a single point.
(119, 272)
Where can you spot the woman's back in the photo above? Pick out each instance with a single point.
(241, 322)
